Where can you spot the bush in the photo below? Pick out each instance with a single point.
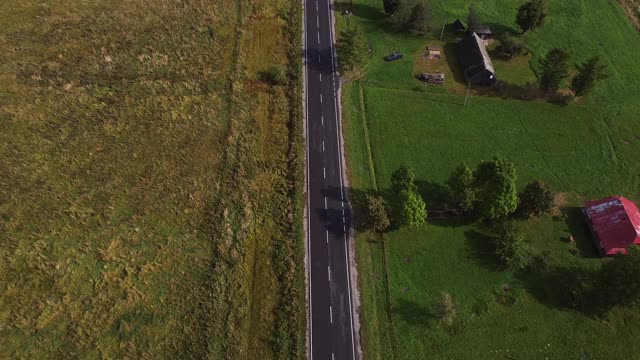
(377, 215)
(276, 75)
(509, 47)
(512, 250)
(536, 199)
(446, 309)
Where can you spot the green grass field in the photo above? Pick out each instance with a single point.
(149, 182)
(585, 150)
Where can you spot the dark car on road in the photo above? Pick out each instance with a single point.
(393, 56)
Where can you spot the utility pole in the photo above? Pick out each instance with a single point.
(442, 32)
(465, 98)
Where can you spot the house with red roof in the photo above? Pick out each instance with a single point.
(615, 224)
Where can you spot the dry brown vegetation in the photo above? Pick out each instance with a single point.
(149, 182)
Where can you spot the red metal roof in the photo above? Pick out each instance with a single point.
(615, 222)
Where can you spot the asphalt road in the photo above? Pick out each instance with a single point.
(330, 311)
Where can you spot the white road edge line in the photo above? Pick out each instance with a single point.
(346, 247)
(306, 108)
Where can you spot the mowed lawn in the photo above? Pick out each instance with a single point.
(585, 150)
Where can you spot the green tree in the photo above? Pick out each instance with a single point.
(531, 15)
(446, 309)
(461, 188)
(512, 249)
(403, 179)
(536, 199)
(411, 16)
(377, 215)
(390, 6)
(352, 47)
(496, 188)
(619, 279)
(555, 68)
(411, 209)
(588, 75)
(509, 46)
(473, 20)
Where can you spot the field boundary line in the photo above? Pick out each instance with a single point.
(374, 183)
(367, 139)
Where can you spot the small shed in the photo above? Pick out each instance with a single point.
(614, 223)
(458, 26)
(483, 31)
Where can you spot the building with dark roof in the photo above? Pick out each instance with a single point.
(475, 61)
(458, 26)
(483, 31)
(615, 224)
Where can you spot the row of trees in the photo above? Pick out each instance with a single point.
(556, 68)
(407, 206)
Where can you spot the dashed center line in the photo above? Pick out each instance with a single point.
(320, 98)
(331, 314)
(329, 272)
(322, 120)
(322, 145)
(325, 202)
(324, 175)
(327, 232)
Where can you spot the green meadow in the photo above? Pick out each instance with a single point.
(585, 150)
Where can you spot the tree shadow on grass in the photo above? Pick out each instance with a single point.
(579, 229)
(362, 11)
(559, 287)
(482, 249)
(412, 313)
(434, 194)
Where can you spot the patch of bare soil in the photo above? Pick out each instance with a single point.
(632, 8)
(559, 201)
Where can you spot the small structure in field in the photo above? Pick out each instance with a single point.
(432, 78)
(458, 26)
(614, 223)
(475, 62)
(483, 31)
(433, 52)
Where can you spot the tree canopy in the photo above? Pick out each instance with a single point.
(531, 15)
(555, 68)
(512, 249)
(403, 178)
(352, 47)
(461, 188)
(496, 186)
(589, 74)
(390, 6)
(536, 199)
(473, 20)
(509, 46)
(377, 216)
(412, 210)
(412, 16)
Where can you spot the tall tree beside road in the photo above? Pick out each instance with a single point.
(589, 74)
(377, 216)
(531, 15)
(555, 68)
(409, 207)
(352, 48)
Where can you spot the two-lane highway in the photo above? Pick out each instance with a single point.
(331, 323)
